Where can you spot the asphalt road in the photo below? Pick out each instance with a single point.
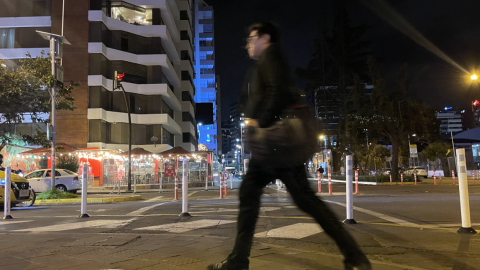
(399, 227)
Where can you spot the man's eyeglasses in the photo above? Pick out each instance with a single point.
(251, 38)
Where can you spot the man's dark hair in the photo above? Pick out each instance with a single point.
(266, 28)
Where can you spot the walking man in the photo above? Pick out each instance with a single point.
(321, 171)
(268, 96)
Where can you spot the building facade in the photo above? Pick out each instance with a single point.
(150, 41)
(205, 81)
(451, 121)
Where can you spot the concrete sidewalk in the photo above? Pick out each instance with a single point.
(388, 246)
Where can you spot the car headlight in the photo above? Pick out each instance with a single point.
(2, 181)
(20, 174)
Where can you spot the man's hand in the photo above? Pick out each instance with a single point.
(251, 122)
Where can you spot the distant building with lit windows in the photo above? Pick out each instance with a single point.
(207, 94)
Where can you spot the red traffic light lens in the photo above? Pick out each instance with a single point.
(120, 76)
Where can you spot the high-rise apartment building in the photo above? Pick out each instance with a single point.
(206, 83)
(150, 41)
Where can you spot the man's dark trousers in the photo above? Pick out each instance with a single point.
(304, 197)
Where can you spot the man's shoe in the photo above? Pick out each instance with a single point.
(224, 266)
(359, 263)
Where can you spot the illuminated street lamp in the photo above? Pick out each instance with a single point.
(324, 138)
(474, 77)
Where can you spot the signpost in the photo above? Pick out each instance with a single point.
(413, 152)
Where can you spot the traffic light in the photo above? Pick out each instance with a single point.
(117, 80)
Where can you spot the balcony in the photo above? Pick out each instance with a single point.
(141, 30)
(13, 22)
(141, 119)
(207, 62)
(205, 21)
(143, 89)
(141, 59)
(207, 48)
(206, 35)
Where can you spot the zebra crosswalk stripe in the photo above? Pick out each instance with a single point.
(181, 227)
(77, 225)
(294, 231)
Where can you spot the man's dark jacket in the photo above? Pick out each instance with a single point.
(269, 92)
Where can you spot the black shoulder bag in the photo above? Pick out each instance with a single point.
(290, 142)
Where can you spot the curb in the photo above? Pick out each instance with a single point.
(91, 200)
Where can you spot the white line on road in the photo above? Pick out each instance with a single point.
(76, 225)
(376, 214)
(156, 199)
(182, 227)
(5, 222)
(373, 213)
(143, 209)
(294, 231)
(188, 196)
(324, 181)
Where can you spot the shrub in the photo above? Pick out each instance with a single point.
(55, 194)
(68, 163)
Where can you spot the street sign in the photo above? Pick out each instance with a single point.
(59, 75)
(169, 169)
(413, 151)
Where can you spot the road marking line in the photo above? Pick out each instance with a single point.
(220, 210)
(294, 231)
(182, 227)
(76, 225)
(143, 209)
(376, 214)
(5, 222)
(154, 199)
(188, 196)
(429, 227)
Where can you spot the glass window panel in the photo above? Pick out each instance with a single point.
(7, 38)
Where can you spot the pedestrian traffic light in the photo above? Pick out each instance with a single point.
(117, 80)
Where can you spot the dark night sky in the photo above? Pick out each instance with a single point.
(452, 26)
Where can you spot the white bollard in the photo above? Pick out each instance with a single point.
(6, 198)
(134, 183)
(206, 180)
(463, 190)
(184, 190)
(83, 209)
(349, 182)
(231, 181)
(161, 177)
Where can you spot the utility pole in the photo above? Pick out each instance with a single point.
(56, 54)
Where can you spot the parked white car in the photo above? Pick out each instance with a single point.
(65, 180)
(421, 172)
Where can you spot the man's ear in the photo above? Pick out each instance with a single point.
(265, 37)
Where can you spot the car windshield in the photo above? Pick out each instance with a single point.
(35, 174)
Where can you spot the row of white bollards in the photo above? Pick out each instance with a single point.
(462, 185)
(8, 187)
